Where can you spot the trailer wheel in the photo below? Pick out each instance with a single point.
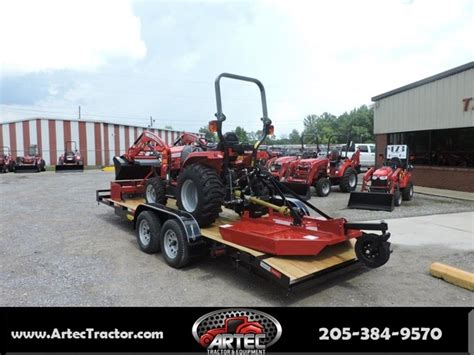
(201, 193)
(348, 181)
(148, 232)
(155, 191)
(407, 192)
(174, 244)
(371, 251)
(323, 187)
(397, 198)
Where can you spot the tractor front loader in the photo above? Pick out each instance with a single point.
(386, 187)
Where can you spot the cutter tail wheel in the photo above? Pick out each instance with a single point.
(155, 191)
(372, 250)
(348, 181)
(201, 193)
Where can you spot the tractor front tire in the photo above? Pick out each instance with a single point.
(201, 193)
(348, 181)
(155, 190)
(407, 192)
(43, 165)
(397, 198)
(323, 187)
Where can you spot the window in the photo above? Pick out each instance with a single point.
(445, 147)
(363, 149)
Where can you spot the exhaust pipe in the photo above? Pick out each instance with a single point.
(371, 201)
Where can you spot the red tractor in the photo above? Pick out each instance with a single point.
(387, 186)
(6, 161)
(307, 170)
(234, 325)
(71, 160)
(32, 161)
(343, 170)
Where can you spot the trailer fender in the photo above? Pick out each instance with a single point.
(185, 220)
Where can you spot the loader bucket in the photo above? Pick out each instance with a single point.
(128, 171)
(371, 201)
(302, 190)
(71, 168)
(26, 169)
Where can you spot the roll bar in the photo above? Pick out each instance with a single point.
(220, 115)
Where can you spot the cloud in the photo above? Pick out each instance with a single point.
(73, 34)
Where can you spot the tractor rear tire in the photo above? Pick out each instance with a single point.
(148, 232)
(407, 192)
(201, 193)
(43, 165)
(323, 187)
(155, 191)
(348, 181)
(174, 244)
(397, 198)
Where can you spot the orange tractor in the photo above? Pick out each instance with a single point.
(386, 187)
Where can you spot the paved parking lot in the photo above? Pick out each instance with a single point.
(59, 248)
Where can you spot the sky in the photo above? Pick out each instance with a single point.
(124, 61)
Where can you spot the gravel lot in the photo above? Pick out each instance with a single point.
(58, 248)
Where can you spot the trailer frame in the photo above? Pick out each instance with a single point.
(290, 273)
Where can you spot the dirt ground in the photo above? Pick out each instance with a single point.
(59, 248)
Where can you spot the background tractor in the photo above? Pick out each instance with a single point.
(343, 170)
(32, 161)
(71, 160)
(7, 163)
(387, 186)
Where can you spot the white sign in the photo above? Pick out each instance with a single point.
(397, 151)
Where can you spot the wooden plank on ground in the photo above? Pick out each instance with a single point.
(453, 275)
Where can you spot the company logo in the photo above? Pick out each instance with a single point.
(236, 331)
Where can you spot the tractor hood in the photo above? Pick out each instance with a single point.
(384, 171)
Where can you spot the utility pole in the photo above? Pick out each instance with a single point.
(79, 112)
(151, 122)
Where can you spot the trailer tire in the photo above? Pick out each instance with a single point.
(174, 244)
(407, 192)
(397, 198)
(323, 187)
(148, 232)
(371, 251)
(201, 193)
(155, 191)
(348, 181)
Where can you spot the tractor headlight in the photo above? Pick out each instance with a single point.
(374, 177)
(383, 178)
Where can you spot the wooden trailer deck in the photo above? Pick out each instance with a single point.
(295, 268)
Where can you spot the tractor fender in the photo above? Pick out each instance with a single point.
(211, 159)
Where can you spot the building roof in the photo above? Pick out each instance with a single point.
(430, 79)
(87, 120)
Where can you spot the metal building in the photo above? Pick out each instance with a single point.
(98, 141)
(435, 117)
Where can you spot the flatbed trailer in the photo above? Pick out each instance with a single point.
(290, 272)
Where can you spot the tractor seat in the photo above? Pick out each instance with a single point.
(395, 163)
(334, 157)
(232, 142)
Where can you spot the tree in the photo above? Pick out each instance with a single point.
(294, 137)
(208, 134)
(241, 134)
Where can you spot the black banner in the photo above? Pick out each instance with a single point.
(226, 330)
